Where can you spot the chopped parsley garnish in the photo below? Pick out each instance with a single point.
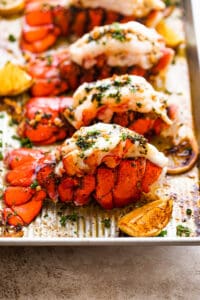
(113, 30)
(136, 138)
(117, 96)
(72, 218)
(63, 220)
(183, 231)
(1, 155)
(83, 143)
(168, 92)
(168, 2)
(163, 233)
(188, 211)
(103, 87)
(118, 33)
(139, 104)
(87, 141)
(172, 2)
(11, 38)
(106, 223)
(123, 136)
(97, 97)
(24, 142)
(34, 184)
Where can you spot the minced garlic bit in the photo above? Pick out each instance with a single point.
(118, 93)
(125, 44)
(58, 122)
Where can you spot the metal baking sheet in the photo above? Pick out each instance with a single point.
(89, 228)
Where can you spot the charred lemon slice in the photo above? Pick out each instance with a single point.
(148, 220)
(11, 7)
(13, 80)
(182, 157)
(172, 38)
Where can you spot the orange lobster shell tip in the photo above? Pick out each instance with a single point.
(24, 214)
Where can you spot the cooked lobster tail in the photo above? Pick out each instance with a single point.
(45, 21)
(107, 50)
(125, 100)
(108, 163)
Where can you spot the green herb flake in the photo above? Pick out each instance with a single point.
(72, 218)
(123, 136)
(63, 220)
(118, 34)
(168, 2)
(139, 104)
(34, 184)
(167, 92)
(117, 96)
(1, 155)
(97, 97)
(87, 141)
(188, 211)
(163, 233)
(172, 3)
(183, 231)
(11, 38)
(106, 223)
(25, 142)
(11, 123)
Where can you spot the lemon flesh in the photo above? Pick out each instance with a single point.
(13, 80)
(172, 38)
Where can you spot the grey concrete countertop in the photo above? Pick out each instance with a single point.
(100, 273)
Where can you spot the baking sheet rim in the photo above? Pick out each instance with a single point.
(123, 241)
(116, 241)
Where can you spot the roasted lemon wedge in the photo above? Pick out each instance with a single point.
(11, 7)
(148, 220)
(172, 38)
(13, 80)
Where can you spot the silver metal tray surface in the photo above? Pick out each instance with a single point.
(91, 232)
